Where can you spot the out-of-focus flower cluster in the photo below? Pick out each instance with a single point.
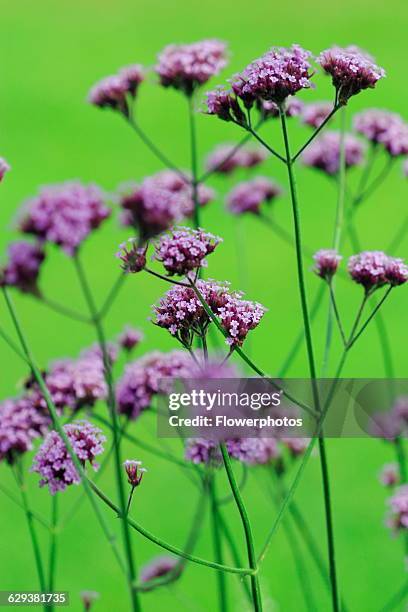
(324, 152)
(228, 157)
(249, 196)
(113, 91)
(23, 266)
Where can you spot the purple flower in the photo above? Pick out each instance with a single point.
(148, 376)
(23, 267)
(374, 123)
(65, 214)
(224, 104)
(250, 195)
(324, 152)
(326, 263)
(201, 450)
(132, 256)
(314, 114)
(134, 472)
(395, 139)
(112, 91)
(389, 475)
(253, 451)
(373, 269)
(226, 158)
(185, 249)
(130, 338)
(399, 509)
(351, 70)
(186, 67)
(157, 567)
(53, 461)
(4, 167)
(161, 201)
(293, 108)
(296, 446)
(21, 422)
(396, 271)
(181, 312)
(276, 75)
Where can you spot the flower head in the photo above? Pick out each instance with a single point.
(389, 475)
(186, 67)
(65, 214)
(53, 461)
(21, 422)
(375, 124)
(134, 472)
(314, 114)
(185, 249)
(396, 271)
(23, 267)
(130, 338)
(326, 263)
(324, 152)
(132, 256)
(399, 509)
(373, 269)
(250, 195)
(253, 451)
(224, 104)
(4, 167)
(112, 91)
(293, 108)
(279, 73)
(226, 158)
(158, 567)
(351, 69)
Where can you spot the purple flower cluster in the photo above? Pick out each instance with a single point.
(112, 91)
(227, 158)
(389, 475)
(53, 462)
(276, 75)
(186, 67)
(399, 509)
(251, 451)
(132, 256)
(326, 263)
(159, 202)
(250, 195)
(293, 108)
(23, 266)
(65, 214)
(157, 568)
(130, 338)
(324, 152)
(4, 167)
(21, 422)
(393, 423)
(181, 312)
(351, 69)
(146, 377)
(384, 128)
(374, 269)
(134, 472)
(314, 114)
(185, 249)
(224, 104)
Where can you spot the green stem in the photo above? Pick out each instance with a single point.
(194, 166)
(217, 544)
(265, 144)
(115, 432)
(255, 586)
(63, 310)
(53, 546)
(112, 295)
(35, 515)
(316, 133)
(229, 538)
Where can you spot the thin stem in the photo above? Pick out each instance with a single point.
(229, 538)
(112, 295)
(163, 543)
(217, 544)
(255, 586)
(115, 431)
(396, 599)
(63, 310)
(316, 132)
(265, 144)
(194, 163)
(401, 233)
(165, 278)
(373, 313)
(52, 563)
(336, 313)
(132, 490)
(204, 177)
(35, 515)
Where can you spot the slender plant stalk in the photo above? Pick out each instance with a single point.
(217, 544)
(255, 586)
(115, 432)
(194, 164)
(40, 520)
(229, 538)
(63, 310)
(316, 132)
(52, 562)
(112, 295)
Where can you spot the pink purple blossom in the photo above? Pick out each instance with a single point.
(132, 256)
(324, 152)
(224, 104)
(21, 422)
(146, 377)
(65, 214)
(326, 263)
(53, 462)
(227, 158)
(351, 69)
(396, 271)
(313, 115)
(185, 249)
(251, 451)
(293, 108)
(157, 568)
(186, 67)
(389, 475)
(23, 266)
(373, 269)
(4, 167)
(112, 91)
(374, 123)
(130, 338)
(398, 503)
(134, 472)
(250, 195)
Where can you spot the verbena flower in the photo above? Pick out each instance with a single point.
(396, 271)
(227, 157)
(351, 69)
(157, 568)
(314, 114)
(186, 67)
(251, 451)
(326, 263)
(130, 338)
(112, 91)
(395, 139)
(161, 201)
(21, 422)
(181, 312)
(134, 472)
(132, 256)
(223, 103)
(23, 266)
(53, 461)
(149, 376)
(293, 108)
(324, 152)
(375, 123)
(295, 446)
(374, 269)
(65, 214)
(202, 451)
(279, 73)
(4, 167)
(185, 249)
(398, 503)
(389, 475)
(249, 196)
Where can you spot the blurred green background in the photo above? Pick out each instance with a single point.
(51, 53)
